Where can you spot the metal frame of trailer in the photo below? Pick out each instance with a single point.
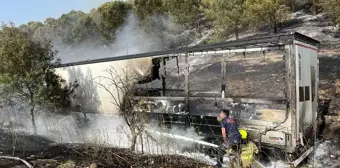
(254, 43)
(300, 59)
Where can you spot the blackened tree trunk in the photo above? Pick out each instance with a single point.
(142, 144)
(275, 28)
(33, 120)
(236, 33)
(133, 141)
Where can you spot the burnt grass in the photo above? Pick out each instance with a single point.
(43, 153)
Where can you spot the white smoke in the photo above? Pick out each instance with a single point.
(130, 39)
(111, 131)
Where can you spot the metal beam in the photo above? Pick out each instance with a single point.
(163, 77)
(263, 41)
(262, 124)
(223, 76)
(174, 53)
(228, 51)
(276, 40)
(186, 82)
(238, 100)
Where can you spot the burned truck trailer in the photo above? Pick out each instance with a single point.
(269, 82)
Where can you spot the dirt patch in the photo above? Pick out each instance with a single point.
(332, 128)
(329, 89)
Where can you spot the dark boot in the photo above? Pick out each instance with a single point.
(218, 165)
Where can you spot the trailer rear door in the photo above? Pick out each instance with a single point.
(306, 86)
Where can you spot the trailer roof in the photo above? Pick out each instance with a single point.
(250, 42)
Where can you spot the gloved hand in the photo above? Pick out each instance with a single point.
(219, 119)
(225, 144)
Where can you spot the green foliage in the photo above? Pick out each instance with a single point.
(112, 16)
(31, 27)
(296, 5)
(55, 96)
(85, 28)
(228, 15)
(267, 12)
(28, 71)
(51, 23)
(48, 31)
(290, 3)
(332, 8)
(66, 24)
(316, 6)
(102, 23)
(68, 164)
(72, 28)
(144, 9)
(76, 26)
(185, 12)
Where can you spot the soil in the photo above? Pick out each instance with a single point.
(329, 90)
(42, 153)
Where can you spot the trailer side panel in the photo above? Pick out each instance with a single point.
(306, 89)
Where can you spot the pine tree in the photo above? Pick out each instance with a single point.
(332, 8)
(185, 12)
(228, 15)
(268, 12)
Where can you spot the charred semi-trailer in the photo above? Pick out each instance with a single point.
(270, 83)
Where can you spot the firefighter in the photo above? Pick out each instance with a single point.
(230, 134)
(248, 150)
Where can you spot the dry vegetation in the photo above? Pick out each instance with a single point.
(42, 153)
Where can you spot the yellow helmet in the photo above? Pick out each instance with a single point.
(243, 133)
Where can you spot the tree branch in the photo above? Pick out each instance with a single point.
(116, 102)
(16, 158)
